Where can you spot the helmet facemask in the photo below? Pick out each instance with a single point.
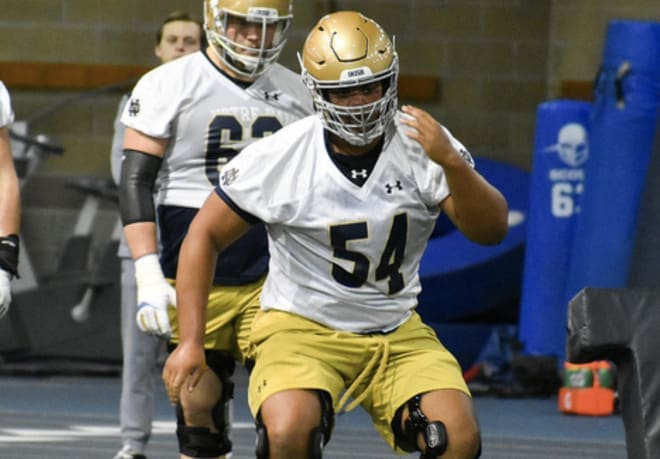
(357, 124)
(241, 59)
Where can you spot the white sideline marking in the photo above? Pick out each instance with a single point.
(76, 432)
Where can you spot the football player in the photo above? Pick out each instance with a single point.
(184, 121)
(178, 35)
(349, 198)
(10, 204)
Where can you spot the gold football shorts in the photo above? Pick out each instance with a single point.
(229, 316)
(380, 372)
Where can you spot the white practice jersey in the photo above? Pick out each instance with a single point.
(342, 255)
(209, 119)
(6, 112)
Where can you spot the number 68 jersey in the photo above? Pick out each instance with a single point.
(208, 119)
(344, 255)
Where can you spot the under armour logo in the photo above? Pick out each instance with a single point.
(355, 174)
(134, 107)
(271, 95)
(390, 188)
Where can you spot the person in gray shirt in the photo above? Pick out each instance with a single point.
(178, 35)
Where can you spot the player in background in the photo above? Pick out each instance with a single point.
(10, 204)
(184, 121)
(179, 34)
(349, 198)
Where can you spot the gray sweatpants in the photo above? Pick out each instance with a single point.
(142, 358)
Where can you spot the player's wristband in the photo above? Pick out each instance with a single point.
(9, 254)
(148, 270)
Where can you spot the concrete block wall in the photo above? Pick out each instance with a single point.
(490, 56)
(577, 34)
(496, 60)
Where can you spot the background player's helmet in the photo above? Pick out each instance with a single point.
(346, 49)
(243, 60)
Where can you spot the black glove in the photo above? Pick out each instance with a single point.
(9, 254)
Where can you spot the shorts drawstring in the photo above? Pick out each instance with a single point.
(379, 358)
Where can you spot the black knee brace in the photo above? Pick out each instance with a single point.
(262, 448)
(434, 433)
(200, 441)
(319, 437)
(223, 366)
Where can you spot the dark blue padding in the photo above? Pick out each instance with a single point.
(461, 279)
(622, 130)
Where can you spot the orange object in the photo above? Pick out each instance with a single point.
(587, 389)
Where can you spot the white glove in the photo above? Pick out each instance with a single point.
(5, 292)
(153, 296)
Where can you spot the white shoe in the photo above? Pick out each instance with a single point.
(127, 453)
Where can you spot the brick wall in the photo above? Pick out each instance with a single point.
(496, 60)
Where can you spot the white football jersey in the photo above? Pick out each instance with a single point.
(6, 112)
(209, 118)
(342, 255)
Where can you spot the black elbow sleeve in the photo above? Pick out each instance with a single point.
(136, 187)
(9, 253)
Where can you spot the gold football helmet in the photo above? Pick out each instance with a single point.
(244, 60)
(346, 49)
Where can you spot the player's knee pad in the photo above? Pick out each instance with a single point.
(319, 437)
(433, 432)
(200, 441)
(317, 440)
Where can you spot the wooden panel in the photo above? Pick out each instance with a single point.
(418, 88)
(577, 89)
(52, 75)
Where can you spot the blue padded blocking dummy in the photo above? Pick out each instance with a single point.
(622, 129)
(561, 152)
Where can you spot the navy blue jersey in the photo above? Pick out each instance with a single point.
(243, 262)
